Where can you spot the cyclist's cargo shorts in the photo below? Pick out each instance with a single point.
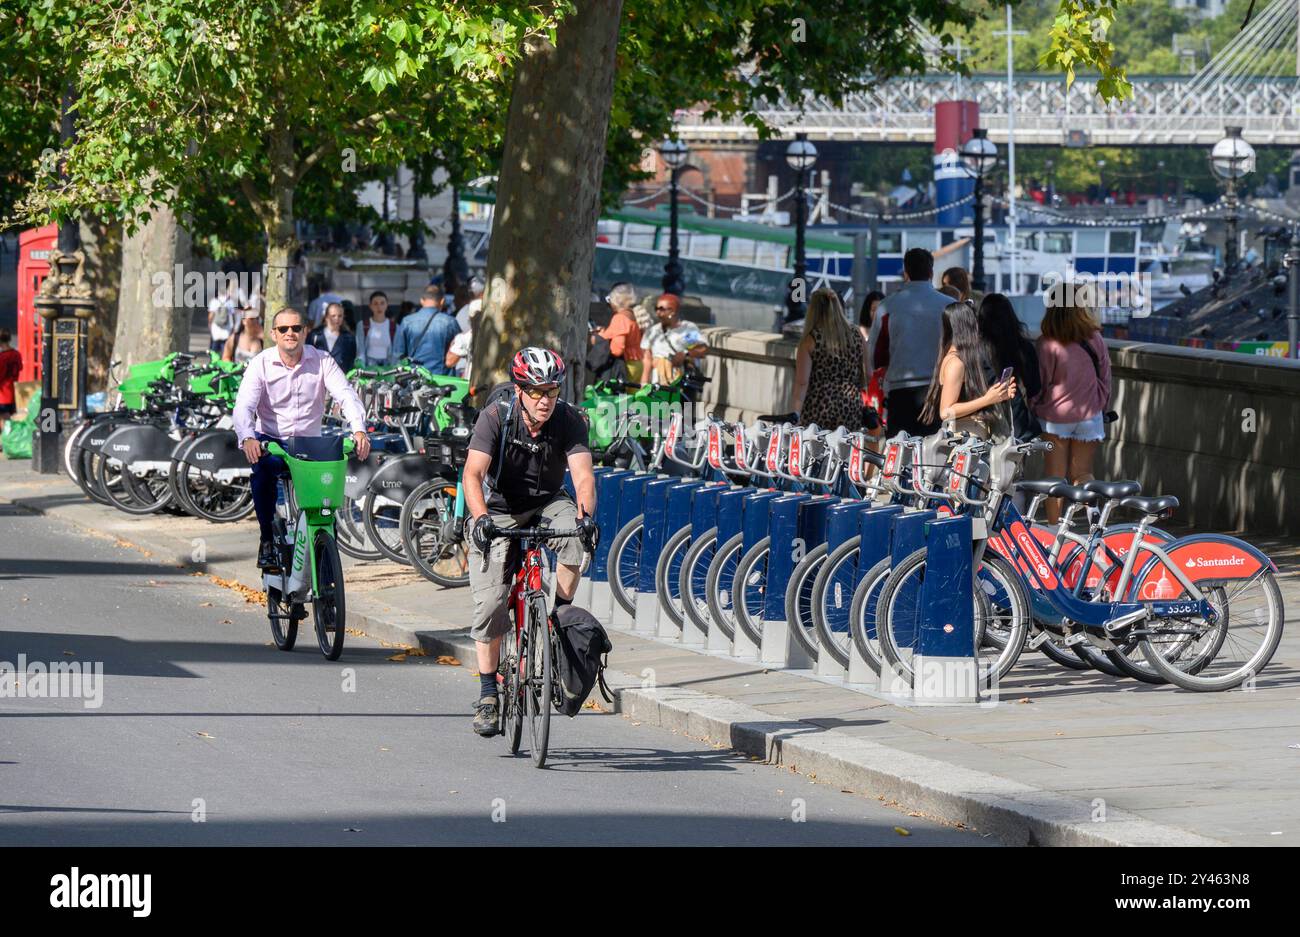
(491, 587)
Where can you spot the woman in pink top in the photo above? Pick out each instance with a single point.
(1075, 394)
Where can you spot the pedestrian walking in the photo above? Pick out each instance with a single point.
(376, 335)
(622, 336)
(247, 341)
(915, 319)
(465, 313)
(224, 313)
(11, 364)
(1074, 402)
(830, 370)
(335, 338)
(425, 335)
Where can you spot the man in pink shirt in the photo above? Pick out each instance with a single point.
(282, 396)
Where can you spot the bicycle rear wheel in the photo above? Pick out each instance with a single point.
(350, 532)
(693, 578)
(1203, 656)
(831, 599)
(668, 574)
(426, 522)
(330, 605)
(540, 691)
(719, 586)
(749, 590)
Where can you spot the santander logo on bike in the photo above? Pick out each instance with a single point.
(774, 449)
(715, 447)
(796, 445)
(740, 446)
(1029, 546)
(674, 426)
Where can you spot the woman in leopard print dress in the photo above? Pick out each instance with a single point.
(830, 366)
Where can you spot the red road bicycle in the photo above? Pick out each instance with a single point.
(526, 673)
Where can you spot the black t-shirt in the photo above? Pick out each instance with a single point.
(532, 470)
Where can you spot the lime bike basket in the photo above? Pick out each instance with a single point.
(318, 467)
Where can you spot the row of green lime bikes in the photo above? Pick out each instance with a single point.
(168, 446)
(1104, 589)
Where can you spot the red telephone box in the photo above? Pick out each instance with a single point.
(34, 246)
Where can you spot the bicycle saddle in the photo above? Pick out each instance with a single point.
(1114, 490)
(1041, 486)
(1074, 493)
(1157, 505)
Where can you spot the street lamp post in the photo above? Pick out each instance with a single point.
(416, 249)
(980, 156)
(800, 156)
(1292, 262)
(674, 155)
(455, 271)
(1231, 158)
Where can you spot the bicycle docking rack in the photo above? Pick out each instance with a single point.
(678, 517)
(593, 589)
(797, 523)
(704, 517)
(755, 525)
(653, 536)
(875, 535)
(841, 524)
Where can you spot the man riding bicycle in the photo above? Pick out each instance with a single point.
(514, 477)
(282, 395)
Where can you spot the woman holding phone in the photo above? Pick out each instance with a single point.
(959, 390)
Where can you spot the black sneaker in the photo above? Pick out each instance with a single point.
(485, 717)
(268, 557)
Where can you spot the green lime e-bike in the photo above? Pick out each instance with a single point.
(310, 569)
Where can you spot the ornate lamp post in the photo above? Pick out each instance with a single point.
(674, 155)
(416, 250)
(1231, 158)
(800, 156)
(980, 156)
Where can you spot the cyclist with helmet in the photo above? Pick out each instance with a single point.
(514, 477)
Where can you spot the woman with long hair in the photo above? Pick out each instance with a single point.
(960, 389)
(1010, 346)
(1076, 391)
(247, 341)
(830, 367)
(335, 338)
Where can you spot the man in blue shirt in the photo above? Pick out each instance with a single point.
(425, 334)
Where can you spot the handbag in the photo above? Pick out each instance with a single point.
(1107, 416)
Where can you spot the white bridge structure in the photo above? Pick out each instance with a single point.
(1252, 83)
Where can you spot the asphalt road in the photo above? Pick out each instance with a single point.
(209, 735)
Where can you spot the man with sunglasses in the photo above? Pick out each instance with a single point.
(514, 477)
(282, 394)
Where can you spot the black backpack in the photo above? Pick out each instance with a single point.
(580, 664)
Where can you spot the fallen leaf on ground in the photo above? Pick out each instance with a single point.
(902, 832)
(204, 735)
(592, 704)
(250, 595)
(446, 660)
(382, 749)
(205, 605)
(227, 621)
(401, 656)
(1024, 699)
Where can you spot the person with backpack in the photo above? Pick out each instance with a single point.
(523, 441)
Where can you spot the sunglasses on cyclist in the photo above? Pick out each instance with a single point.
(537, 393)
(285, 329)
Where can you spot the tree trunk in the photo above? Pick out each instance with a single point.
(153, 319)
(102, 243)
(276, 213)
(548, 197)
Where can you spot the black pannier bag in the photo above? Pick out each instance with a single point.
(580, 663)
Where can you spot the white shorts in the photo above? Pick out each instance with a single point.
(1092, 429)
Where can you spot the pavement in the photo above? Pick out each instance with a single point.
(1066, 757)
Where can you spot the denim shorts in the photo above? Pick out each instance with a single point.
(1092, 429)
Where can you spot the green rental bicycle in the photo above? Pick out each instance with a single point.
(303, 530)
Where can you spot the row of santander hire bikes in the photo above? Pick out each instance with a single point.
(1202, 612)
(168, 447)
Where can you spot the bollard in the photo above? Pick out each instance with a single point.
(754, 527)
(944, 663)
(678, 519)
(907, 535)
(653, 537)
(704, 518)
(608, 483)
(785, 549)
(631, 503)
(874, 531)
(840, 524)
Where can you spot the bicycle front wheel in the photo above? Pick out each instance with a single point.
(624, 564)
(539, 688)
(330, 605)
(426, 524)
